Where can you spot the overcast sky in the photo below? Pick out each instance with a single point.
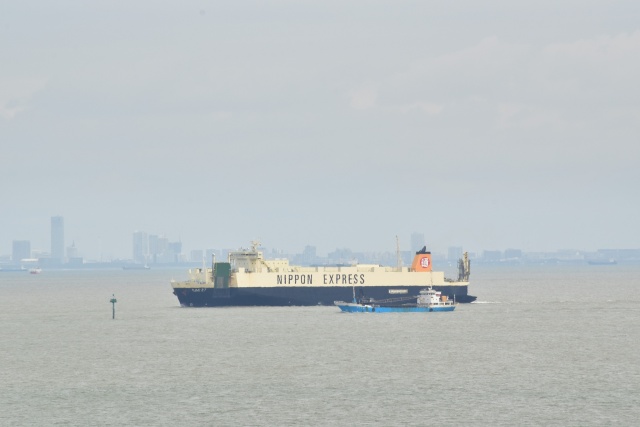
(482, 124)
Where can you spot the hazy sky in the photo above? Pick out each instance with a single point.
(482, 124)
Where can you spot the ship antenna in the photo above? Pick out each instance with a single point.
(399, 260)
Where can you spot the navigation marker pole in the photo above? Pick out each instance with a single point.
(113, 304)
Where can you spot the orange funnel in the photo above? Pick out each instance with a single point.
(421, 262)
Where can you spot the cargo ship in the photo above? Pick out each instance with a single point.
(247, 279)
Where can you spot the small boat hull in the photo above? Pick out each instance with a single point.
(365, 308)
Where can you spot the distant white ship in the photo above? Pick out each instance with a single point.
(136, 267)
(610, 261)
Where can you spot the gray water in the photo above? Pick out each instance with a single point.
(543, 346)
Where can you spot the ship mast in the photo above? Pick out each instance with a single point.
(398, 259)
(204, 269)
(213, 268)
(464, 268)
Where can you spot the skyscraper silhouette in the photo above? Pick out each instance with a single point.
(57, 239)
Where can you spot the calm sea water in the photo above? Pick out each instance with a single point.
(543, 346)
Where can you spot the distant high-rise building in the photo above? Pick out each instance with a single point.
(220, 255)
(175, 251)
(72, 251)
(417, 241)
(140, 246)
(153, 245)
(157, 245)
(307, 257)
(73, 260)
(161, 250)
(21, 250)
(196, 255)
(57, 239)
(492, 255)
(454, 253)
(512, 254)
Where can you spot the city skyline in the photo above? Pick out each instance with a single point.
(149, 248)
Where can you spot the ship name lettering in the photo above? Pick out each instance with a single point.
(294, 279)
(343, 279)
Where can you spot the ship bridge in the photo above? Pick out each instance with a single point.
(252, 261)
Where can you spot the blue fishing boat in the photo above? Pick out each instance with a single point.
(427, 301)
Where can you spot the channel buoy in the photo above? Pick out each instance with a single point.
(113, 304)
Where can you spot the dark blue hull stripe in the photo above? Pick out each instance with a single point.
(301, 296)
